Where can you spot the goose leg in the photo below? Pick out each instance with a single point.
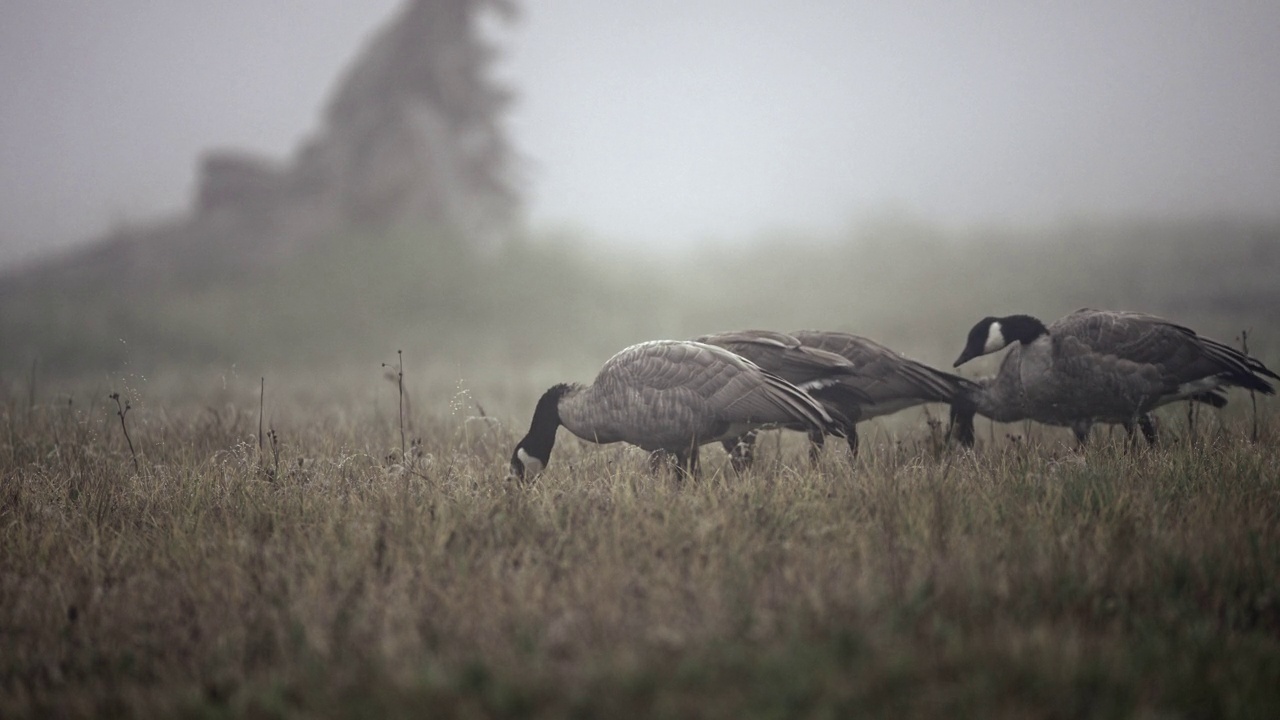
(731, 447)
(1081, 430)
(687, 464)
(960, 425)
(1128, 433)
(1148, 429)
(851, 437)
(741, 451)
(816, 442)
(657, 460)
(1145, 424)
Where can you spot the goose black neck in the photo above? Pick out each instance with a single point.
(1022, 328)
(546, 420)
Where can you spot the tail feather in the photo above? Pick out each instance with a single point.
(1249, 381)
(938, 385)
(803, 407)
(1216, 399)
(1240, 369)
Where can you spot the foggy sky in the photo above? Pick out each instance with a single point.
(667, 122)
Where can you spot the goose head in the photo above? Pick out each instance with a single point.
(525, 465)
(533, 452)
(992, 334)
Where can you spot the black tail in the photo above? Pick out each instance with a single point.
(935, 385)
(1240, 369)
(1211, 397)
(842, 426)
(1249, 381)
(1257, 366)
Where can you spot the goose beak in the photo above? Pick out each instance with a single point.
(965, 357)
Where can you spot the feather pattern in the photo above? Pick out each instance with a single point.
(810, 368)
(891, 380)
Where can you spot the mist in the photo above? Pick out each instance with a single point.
(663, 123)
(108, 105)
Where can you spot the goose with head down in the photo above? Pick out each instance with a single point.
(667, 395)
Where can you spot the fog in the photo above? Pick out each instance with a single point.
(667, 122)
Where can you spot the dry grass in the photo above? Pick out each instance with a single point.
(333, 581)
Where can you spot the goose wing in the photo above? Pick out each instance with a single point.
(779, 353)
(1137, 344)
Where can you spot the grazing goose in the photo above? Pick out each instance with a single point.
(1099, 366)
(881, 382)
(811, 369)
(669, 395)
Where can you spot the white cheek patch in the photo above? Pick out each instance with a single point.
(532, 465)
(995, 339)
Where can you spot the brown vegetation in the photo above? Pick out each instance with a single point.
(319, 575)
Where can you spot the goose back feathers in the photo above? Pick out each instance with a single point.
(810, 368)
(890, 380)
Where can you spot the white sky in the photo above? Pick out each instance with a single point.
(664, 122)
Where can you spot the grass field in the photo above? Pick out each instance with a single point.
(316, 574)
(206, 567)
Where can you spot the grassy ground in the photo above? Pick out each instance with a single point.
(322, 576)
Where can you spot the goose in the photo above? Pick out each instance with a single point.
(811, 369)
(666, 395)
(878, 381)
(1099, 366)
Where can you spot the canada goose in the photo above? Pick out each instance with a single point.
(669, 395)
(1099, 366)
(882, 382)
(811, 369)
